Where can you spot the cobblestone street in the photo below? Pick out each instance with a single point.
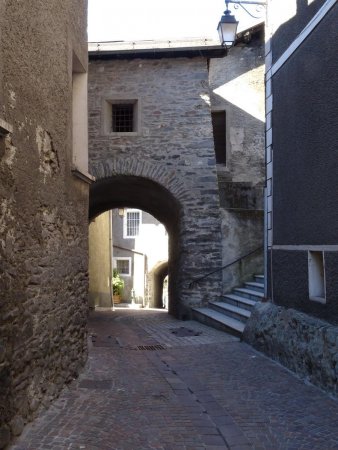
(152, 382)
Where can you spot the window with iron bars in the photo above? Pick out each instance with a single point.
(123, 117)
(132, 221)
(123, 265)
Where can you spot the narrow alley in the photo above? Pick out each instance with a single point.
(153, 382)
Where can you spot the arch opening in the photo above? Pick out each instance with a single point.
(156, 281)
(125, 191)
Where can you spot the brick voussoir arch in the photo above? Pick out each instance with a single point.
(174, 200)
(143, 169)
(139, 184)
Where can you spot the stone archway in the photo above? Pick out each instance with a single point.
(136, 192)
(191, 218)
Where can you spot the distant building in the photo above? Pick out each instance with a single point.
(140, 251)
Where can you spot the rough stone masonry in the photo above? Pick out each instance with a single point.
(172, 146)
(304, 344)
(43, 209)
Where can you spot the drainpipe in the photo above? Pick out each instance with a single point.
(111, 258)
(265, 243)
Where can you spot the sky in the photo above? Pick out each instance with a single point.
(131, 20)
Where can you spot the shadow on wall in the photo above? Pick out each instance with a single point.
(239, 91)
(292, 25)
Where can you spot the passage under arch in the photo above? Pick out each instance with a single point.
(120, 191)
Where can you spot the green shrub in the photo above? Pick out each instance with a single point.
(118, 283)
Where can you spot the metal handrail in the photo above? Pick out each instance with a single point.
(191, 284)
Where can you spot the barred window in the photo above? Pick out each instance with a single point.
(132, 223)
(123, 117)
(122, 265)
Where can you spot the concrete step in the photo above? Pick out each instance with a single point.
(249, 293)
(218, 320)
(237, 300)
(234, 309)
(259, 278)
(230, 310)
(255, 286)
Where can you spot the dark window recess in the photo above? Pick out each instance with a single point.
(218, 125)
(2, 146)
(122, 266)
(123, 118)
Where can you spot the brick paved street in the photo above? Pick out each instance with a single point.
(145, 387)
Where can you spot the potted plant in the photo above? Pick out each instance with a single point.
(118, 285)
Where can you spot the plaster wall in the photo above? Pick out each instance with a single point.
(173, 147)
(305, 163)
(304, 217)
(237, 86)
(287, 19)
(301, 167)
(43, 220)
(99, 264)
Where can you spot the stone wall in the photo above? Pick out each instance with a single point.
(173, 149)
(306, 345)
(43, 219)
(237, 86)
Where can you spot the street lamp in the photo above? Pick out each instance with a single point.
(227, 26)
(121, 212)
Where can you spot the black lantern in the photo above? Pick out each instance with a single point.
(227, 28)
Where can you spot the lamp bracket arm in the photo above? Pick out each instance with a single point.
(246, 2)
(259, 6)
(248, 12)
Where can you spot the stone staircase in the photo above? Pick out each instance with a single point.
(233, 311)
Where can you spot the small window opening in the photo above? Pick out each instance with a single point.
(131, 225)
(123, 265)
(219, 130)
(316, 264)
(123, 118)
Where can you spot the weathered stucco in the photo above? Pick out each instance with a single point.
(43, 222)
(302, 162)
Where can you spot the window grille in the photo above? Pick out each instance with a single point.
(123, 266)
(133, 223)
(123, 117)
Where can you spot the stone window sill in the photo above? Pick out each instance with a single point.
(83, 175)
